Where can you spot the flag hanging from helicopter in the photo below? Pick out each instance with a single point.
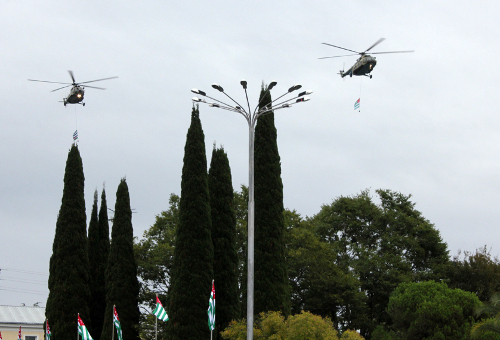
(356, 104)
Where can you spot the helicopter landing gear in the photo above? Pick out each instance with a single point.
(370, 76)
(83, 104)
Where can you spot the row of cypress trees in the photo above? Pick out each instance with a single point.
(88, 275)
(205, 247)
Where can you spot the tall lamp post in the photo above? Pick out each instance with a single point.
(251, 118)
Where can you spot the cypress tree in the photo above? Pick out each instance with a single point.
(122, 286)
(224, 240)
(69, 291)
(192, 272)
(272, 291)
(98, 250)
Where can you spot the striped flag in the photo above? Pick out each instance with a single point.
(356, 104)
(47, 330)
(19, 337)
(82, 330)
(159, 311)
(118, 326)
(75, 135)
(211, 309)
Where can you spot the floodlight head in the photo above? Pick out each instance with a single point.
(303, 99)
(272, 84)
(285, 105)
(214, 104)
(294, 87)
(217, 87)
(198, 92)
(196, 99)
(244, 84)
(304, 93)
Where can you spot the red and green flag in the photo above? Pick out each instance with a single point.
(47, 330)
(211, 309)
(118, 326)
(82, 330)
(159, 311)
(19, 337)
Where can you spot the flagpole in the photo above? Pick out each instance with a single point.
(113, 324)
(156, 322)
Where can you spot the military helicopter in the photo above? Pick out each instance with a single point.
(365, 64)
(77, 90)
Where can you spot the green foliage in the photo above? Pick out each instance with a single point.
(351, 335)
(122, 286)
(224, 240)
(318, 284)
(478, 273)
(383, 245)
(490, 327)
(69, 290)
(272, 291)
(430, 310)
(273, 326)
(192, 271)
(98, 250)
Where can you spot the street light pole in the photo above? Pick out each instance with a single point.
(251, 119)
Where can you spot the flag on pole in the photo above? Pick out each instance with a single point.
(19, 335)
(159, 311)
(118, 326)
(211, 309)
(75, 135)
(356, 104)
(47, 330)
(82, 330)
(0, 335)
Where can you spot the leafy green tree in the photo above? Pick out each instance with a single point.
(154, 254)
(318, 283)
(383, 245)
(224, 239)
(478, 273)
(273, 326)
(272, 291)
(98, 250)
(69, 290)
(430, 310)
(488, 329)
(192, 269)
(122, 286)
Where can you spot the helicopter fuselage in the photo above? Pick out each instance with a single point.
(75, 95)
(363, 67)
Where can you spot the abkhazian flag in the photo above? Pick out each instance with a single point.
(160, 311)
(82, 330)
(75, 135)
(47, 330)
(19, 335)
(118, 326)
(211, 309)
(356, 104)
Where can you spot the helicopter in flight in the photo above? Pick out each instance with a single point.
(365, 63)
(77, 91)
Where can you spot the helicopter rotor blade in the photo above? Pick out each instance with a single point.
(71, 75)
(46, 81)
(393, 52)
(94, 87)
(372, 46)
(62, 87)
(91, 81)
(341, 48)
(338, 56)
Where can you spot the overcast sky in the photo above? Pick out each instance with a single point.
(428, 124)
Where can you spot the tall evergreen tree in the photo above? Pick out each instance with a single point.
(192, 271)
(272, 290)
(98, 250)
(224, 240)
(122, 286)
(69, 291)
